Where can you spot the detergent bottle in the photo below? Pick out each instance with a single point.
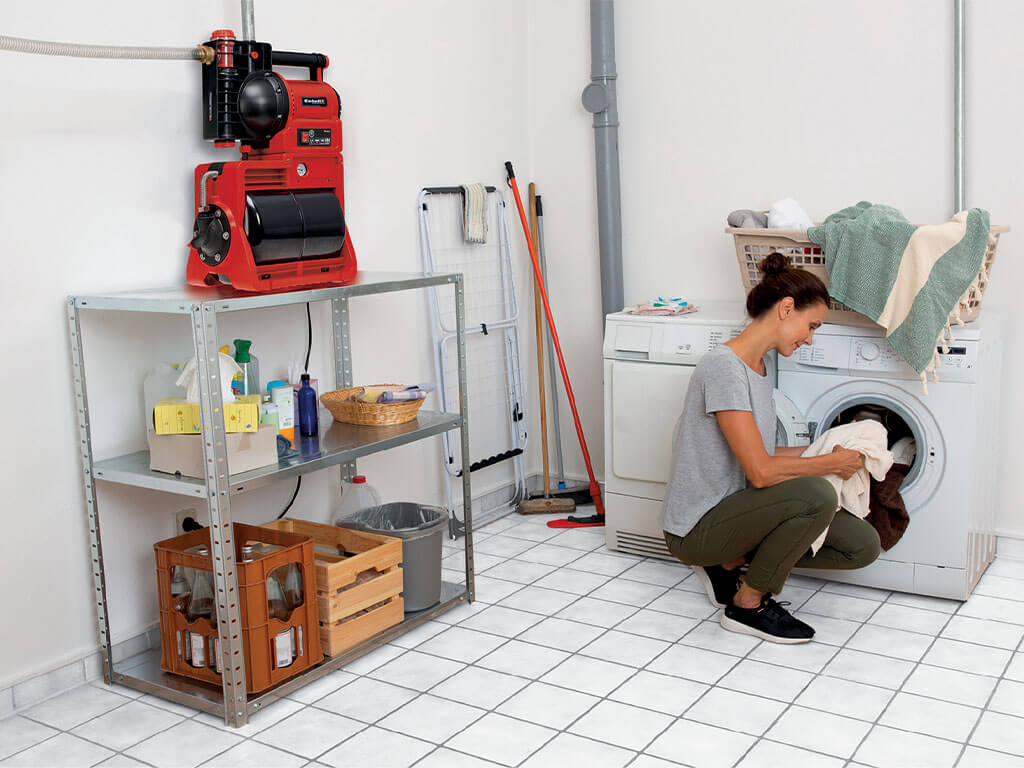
(248, 381)
(356, 496)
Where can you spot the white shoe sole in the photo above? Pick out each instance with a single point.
(708, 587)
(734, 626)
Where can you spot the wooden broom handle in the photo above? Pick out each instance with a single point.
(539, 322)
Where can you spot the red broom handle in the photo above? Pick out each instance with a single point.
(595, 489)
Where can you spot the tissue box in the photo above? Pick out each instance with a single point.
(184, 453)
(181, 417)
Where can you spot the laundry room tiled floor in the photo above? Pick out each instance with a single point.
(577, 655)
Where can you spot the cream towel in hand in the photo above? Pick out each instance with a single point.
(868, 438)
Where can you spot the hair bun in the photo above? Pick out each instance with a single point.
(773, 264)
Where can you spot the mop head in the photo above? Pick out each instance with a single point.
(577, 522)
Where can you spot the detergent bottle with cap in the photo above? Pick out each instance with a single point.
(248, 381)
(356, 495)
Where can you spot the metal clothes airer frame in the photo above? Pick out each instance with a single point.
(494, 381)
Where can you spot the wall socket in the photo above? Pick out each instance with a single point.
(180, 517)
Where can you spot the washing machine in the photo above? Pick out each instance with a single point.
(950, 489)
(648, 361)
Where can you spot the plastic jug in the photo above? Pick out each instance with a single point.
(355, 495)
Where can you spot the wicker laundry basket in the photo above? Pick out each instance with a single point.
(369, 414)
(753, 244)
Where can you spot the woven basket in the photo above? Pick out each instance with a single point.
(753, 244)
(369, 414)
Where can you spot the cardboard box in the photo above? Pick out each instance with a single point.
(181, 417)
(184, 453)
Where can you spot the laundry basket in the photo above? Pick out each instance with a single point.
(753, 244)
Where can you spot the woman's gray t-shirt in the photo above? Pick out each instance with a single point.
(704, 468)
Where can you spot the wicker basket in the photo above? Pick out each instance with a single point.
(753, 244)
(369, 414)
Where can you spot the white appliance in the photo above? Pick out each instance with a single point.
(950, 489)
(648, 361)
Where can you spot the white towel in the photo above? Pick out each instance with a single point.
(788, 214)
(474, 213)
(870, 439)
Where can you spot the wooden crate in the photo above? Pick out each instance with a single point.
(359, 589)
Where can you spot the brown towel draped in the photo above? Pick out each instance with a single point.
(888, 512)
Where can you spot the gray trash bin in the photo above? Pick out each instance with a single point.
(421, 529)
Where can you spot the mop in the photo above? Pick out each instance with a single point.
(595, 489)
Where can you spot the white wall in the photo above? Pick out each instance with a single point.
(735, 105)
(97, 161)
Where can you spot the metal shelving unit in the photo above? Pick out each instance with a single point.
(340, 445)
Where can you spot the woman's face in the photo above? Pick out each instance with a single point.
(797, 326)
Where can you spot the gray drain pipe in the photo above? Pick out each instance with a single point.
(599, 98)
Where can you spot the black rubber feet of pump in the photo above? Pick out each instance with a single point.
(719, 584)
(769, 621)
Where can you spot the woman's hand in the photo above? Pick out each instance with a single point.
(847, 462)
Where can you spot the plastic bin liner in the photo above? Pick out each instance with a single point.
(403, 518)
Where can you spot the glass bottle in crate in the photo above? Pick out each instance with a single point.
(181, 590)
(277, 608)
(293, 591)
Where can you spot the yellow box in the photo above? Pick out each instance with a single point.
(180, 417)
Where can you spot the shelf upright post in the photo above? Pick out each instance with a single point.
(342, 361)
(218, 494)
(85, 437)
(467, 496)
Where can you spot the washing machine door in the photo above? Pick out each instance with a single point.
(791, 424)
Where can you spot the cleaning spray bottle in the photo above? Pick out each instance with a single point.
(248, 382)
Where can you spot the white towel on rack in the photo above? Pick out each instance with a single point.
(474, 213)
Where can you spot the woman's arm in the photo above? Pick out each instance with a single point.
(763, 470)
(788, 450)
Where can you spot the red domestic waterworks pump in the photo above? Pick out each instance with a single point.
(275, 219)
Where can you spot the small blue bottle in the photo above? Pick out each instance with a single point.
(307, 408)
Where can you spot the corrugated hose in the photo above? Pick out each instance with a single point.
(199, 53)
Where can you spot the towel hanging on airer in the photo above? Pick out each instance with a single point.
(474, 213)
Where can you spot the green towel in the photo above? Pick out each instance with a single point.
(906, 278)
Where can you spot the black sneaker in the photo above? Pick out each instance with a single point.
(719, 584)
(769, 621)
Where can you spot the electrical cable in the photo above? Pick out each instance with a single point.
(298, 484)
(309, 348)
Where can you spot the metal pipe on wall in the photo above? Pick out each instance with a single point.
(248, 20)
(599, 98)
(958, 124)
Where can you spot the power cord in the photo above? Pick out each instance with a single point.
(309, 348)
(298, 484)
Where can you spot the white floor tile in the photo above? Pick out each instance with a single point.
(579, 538)
(128, 725)
(925, 602)
(843, 697)
(120, 690)
(995, 608)
(771, 754)
(593, 676)
(693, 663)
(890, 642)
(501, 739)
(431, 719)
(506, 622)
(736, 711)
(910, 619)
(526, 659)
(449, 758)
(257, 722)
(931, 717)
(463, 611)
(840, 606)
(711, 636)
(17, 733)
(950, 685)
(530, 531)
(999, 586)
(547, 602)
(170, 706)
(479, 687)
(647, 761)
(366, 700)
(984, 632)
(622, 590)
(62, 751)
(1008, 698)
(481, 562)
(600, 613)
(379, 748)
(681, 603)
(621, 648)
(663, 574)
(661, 626)
(768, 680)
(796, 596)
(249, 754)
(490, 590)
(549, 554)
(607, 565)
(1003, 733)
(1009, 567)
(568, 750)
(381, 656)
(420, 634)
(123, 761)
(461, 644)
(519, 571)
(185, 745)
(967, 657)
(856, 590)
(671, 695)
(576, 582)
(562, 634)
(701, 745)
(819, 731)
(74, 707)
(329, 683)
(1015, 669)
(889, 748)
(416, 670)
(868, 668)
(976, 757)
(828, 630)
(621, 724)
(810, 657)
(548, 705)
(309, 732)
(502, 546)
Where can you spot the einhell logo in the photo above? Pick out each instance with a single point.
(314, 101)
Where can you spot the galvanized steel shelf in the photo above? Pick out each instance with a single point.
(340, 445)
